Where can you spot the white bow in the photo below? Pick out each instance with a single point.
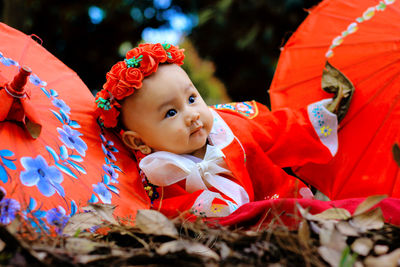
(165, 168)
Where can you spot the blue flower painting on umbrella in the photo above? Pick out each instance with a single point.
(36, 81)
(8, 209)
(102, 191)
(108, 148)
(42, 192)
(7, 61)
(6, 162)
(71, 139)
(111, 173)
(61, 104)
(57, 217)
(46, 178)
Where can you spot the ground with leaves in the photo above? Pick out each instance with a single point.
(332, 238)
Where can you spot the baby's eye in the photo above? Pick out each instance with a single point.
(170, 113)
(192, 99)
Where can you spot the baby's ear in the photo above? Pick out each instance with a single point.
(132, 140)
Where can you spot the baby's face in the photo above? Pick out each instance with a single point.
(168, 113)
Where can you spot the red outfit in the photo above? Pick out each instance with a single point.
(264, 142)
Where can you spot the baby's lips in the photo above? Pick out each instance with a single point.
(196, 127)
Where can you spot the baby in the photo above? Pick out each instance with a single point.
(208, 160)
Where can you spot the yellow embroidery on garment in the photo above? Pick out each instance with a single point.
(217, 207)
(325, 130)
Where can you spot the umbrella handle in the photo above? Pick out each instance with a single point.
(16, 87)
(16, 107)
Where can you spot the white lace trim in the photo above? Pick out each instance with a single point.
(221, 135)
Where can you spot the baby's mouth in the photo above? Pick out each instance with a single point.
(196, 128)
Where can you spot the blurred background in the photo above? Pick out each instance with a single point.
(232, 47)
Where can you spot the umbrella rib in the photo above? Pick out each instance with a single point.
(25, 49)
(397, 10)
(326, 46)
(61, 78)
(372, 139)
(325, 14)
(319, 75)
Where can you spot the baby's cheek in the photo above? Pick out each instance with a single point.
(209, 122)
(180, 133)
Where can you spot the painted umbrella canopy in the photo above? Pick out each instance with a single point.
(361, 39)
(54, 157)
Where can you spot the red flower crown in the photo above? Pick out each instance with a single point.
(126, 76)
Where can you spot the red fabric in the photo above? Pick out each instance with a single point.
(261, 213)
(271, 141)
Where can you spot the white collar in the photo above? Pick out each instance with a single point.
(220, 135)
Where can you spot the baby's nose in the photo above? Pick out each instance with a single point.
(192, 117)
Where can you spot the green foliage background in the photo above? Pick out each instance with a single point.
(241, 38)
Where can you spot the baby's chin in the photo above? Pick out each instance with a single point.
(194, 150)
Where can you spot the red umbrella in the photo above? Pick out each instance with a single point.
(361, 39)
(54, 157)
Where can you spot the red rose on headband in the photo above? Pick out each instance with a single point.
(156, 50)
(103, 94)
(111, 82)
(148, 64)
(177, 55)
(117, 68)
(109, 117)
(135, 52)
(133, 76)
(122, 90)
(113, 76)
(122, 81)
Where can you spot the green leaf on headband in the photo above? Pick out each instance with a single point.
(166, 46)
(103, 103)
(133, 62)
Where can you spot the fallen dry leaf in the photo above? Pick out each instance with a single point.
(330, 255)
(104, 211)
(346, 228)
(82, 221)
(332, 238)
(368, 203)
(362, 246)
(307, 215)
(80, 245)
(334, 214)
(370, 220)
(333, 81)
(154, 222)
(388, 260)
(381, 249)
(224, 250)
(304, 234)
(191, 248)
